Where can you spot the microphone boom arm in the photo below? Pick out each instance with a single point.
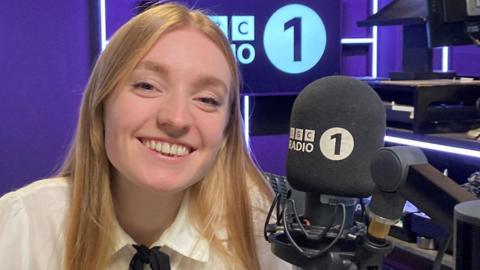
(434, 193)
(403, 173)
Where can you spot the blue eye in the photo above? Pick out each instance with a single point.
(143, 86)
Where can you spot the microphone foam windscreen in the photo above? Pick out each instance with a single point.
(337, 124)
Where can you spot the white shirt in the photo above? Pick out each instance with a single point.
(32, 223)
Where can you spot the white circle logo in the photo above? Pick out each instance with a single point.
(294, 38)
(336, 143)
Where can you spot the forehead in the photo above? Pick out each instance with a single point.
(191, 53)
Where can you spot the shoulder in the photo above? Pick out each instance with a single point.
(43, 199)
(43, 203)
(31, 222)
(38, 186)
(38, 194)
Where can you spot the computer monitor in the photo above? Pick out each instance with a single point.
(453, 22)
(428, 24)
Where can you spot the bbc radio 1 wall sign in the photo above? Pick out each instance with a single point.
(281, 46)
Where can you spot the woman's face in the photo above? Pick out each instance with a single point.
(165, 125)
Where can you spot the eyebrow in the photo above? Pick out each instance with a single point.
(211, 81)
(154, 67)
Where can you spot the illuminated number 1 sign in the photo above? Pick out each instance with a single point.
(294, 38)
(296, 25)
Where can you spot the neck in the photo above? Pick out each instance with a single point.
(144, 213)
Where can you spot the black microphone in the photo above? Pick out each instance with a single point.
(337, 124)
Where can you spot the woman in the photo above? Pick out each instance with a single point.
(158, 160)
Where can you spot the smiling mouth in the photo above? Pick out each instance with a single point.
(167, 149)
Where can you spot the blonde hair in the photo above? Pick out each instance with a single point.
(220, 199)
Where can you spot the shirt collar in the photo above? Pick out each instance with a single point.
(181, 236)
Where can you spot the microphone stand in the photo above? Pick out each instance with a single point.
(311, 247)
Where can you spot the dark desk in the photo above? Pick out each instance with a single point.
(428, 106)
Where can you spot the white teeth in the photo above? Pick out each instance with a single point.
(166, 148)
(173, 149)
(182, 150)
(158, 147)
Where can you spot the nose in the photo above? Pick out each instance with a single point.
(174, 115)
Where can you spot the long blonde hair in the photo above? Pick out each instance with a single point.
(220, 199)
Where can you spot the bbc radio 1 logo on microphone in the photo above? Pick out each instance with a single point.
(335, 143)
(294, 38)
(301, 140)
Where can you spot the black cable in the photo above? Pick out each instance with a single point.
(298, 219)
(287, 232)
(269, 215)
(281, 209)
(339, 234)
(314, 253)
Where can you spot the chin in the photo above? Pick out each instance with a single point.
(172, 185)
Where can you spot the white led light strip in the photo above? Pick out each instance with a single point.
(246, 118)
(357, 40)
(445, 64)
(375, 41)
(433, 146)
(103, 24)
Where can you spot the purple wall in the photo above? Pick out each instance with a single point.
(44, 67)
(45, 64)
(118, 12)
(355, 58)
(466, 60)
(270, 151)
